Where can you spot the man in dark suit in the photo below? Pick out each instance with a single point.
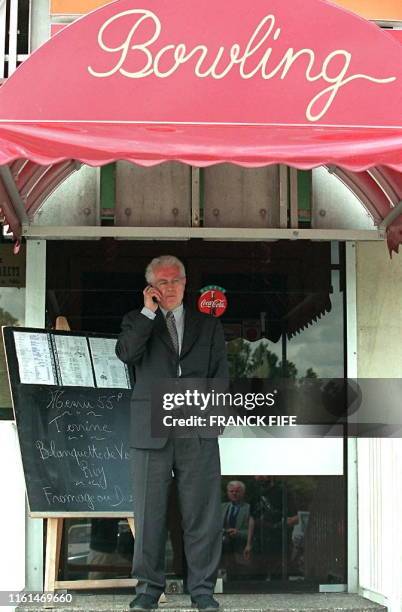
(236, 524)
(164, 340)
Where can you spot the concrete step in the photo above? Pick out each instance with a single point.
(295, 602)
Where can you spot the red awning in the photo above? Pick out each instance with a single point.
(147, 145)
(303, 83)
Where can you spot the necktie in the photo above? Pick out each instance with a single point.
(232, 515)
(172, 329)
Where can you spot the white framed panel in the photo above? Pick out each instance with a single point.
(282, 456)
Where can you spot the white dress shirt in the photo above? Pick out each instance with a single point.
(178, 314)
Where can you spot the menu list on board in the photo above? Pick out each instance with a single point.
(69, 360)
(35, 361)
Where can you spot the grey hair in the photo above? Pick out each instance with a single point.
(238, 483)
(163, 260)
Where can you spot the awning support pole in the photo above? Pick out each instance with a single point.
(391, 216)
(14, 194)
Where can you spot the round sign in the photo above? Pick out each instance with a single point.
(212, 301)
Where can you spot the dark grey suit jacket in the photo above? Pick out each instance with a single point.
(145, 344)
(242, 520)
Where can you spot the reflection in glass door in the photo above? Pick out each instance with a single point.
(285, 319)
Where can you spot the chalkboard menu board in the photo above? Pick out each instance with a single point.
(71, 398)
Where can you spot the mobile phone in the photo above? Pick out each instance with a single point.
(154, 298)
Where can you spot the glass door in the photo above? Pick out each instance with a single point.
(283, 502)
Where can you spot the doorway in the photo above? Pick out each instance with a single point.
(285, 318)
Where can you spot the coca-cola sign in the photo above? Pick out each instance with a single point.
(212, 300)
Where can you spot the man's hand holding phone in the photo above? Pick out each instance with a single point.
(152, 297)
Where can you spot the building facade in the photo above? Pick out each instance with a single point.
(202, 213)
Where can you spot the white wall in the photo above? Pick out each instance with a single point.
(12, 511)
(379, 341)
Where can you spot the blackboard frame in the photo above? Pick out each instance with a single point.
(19, 395)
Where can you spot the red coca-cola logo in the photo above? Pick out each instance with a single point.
(212, 301)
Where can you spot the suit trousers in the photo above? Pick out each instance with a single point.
(195, 464)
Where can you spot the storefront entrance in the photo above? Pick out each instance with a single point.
(283, 528)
